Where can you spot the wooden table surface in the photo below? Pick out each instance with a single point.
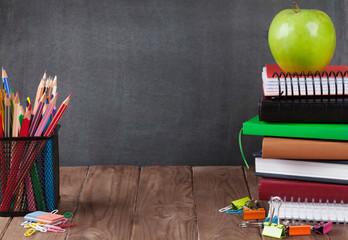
(154, 203)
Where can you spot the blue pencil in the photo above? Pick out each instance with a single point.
(6, 82)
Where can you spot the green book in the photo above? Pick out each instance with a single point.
(331, 131)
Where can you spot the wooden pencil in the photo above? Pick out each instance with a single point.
(39, 92)
(57, 116)
(15, 122)
(37, 117)
(46, 116)
(6, 82)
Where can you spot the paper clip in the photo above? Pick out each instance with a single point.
(299, 230)
(274, 230)
(25, 223)
(250, 214)
(245, 224)
(52, 228)
(38, 226)
(54, 211)
(64, 220)
(225, 208)
(67, 214)
(67, 225)
(323, 228)
(238, 204)
(30, 232)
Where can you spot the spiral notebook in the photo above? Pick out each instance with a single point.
(312, 211)
(333, 81)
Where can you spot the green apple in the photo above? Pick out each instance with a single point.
(302, 40)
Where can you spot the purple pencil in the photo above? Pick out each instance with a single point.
(37, 117)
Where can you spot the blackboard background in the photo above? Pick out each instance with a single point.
(152, 82)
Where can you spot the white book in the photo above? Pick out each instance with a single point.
(331, 171)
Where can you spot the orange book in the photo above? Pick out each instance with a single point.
(295, 148)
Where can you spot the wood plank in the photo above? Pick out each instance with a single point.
(4, 223)
(107, 203)
(215, 188)
(252, 182)
(71, 180)
(165, 206)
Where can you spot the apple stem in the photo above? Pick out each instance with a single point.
(295, 4)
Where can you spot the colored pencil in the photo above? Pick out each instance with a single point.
(6, 82)
(15, 118)
(46, 116)
(37, 117)
(39, 92)
(57, 117)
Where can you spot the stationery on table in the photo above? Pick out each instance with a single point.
(21, 185)
(304, 159)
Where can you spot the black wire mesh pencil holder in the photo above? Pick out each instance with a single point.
(29, 176)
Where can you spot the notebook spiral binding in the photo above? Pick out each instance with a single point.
(317, 74)
(322, 211)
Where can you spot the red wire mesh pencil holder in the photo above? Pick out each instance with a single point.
(29, 176)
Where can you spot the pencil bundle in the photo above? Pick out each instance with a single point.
(27, 147)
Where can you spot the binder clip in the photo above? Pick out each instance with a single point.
(323, 228)
(270, 213)
(251, 211)
(250, 214)
(238, 204)
(274, 230)
(299, 230)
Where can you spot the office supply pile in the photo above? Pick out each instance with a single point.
(304, 124)
(43, 222)
(272, 225)
(29, 149)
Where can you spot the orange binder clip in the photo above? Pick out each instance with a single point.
(254, 214)
(299, 230)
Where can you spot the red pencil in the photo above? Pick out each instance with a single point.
(26, 123)
(57, 116)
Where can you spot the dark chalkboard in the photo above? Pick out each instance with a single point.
(152, 82)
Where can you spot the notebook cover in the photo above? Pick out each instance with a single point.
(272, 68)
(334, 131)
(295, 148)
(329, 110)
(300, 190)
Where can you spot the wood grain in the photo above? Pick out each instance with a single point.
(71, 180)
(252, 182)
(106, 204)
(165, 206)
(215, 188)
(4, 223)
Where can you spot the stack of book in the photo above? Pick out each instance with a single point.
(304, 121)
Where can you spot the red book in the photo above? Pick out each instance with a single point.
(332, 81)
(300, 190)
